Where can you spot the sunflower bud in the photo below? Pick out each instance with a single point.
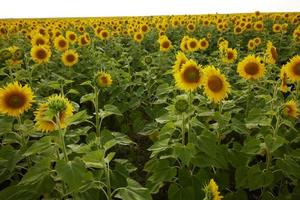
(18, 54)
(148, 60)
(57, 105)
(5, 54)
(181, 105)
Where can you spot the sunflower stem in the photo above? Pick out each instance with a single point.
(108, 182)
(62, 138)
(23, 140)
(189, 116)
(250, 86)
(96, 104)
(182, 130)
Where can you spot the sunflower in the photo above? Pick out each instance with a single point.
(291, 109)
(293, 68)
(17, 55)
(181, 59)
(189, 77)
(61, 43)
(251, 45)
(84, 40)
(215, 84)
(284, 79)
(71, 36)
(39, 39)
(190, 27)
(259, 26)
(212, 191)
(238, 30)
(271, 53)
(257, 41)
(15, 99)
(69, 58)
(230, 55)
(40, 54)
(277, 28)
(53, 114)
(103, 79)
(192, 44)
(203, 44)
(104, 34)
(251, 68)
(165, 43)
(144, 28)
(183, 44)
(138, 37)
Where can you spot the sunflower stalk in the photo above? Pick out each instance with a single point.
(183, 130)
(23, 140)
(96, 104)
(62, 137)
(189, 117)
(108, 185)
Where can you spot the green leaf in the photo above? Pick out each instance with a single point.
(273, 143)
(39, 146)
(78, 118)
(252, 146)
(94, 159)
(109, 157)
(109, 110)
(159, 146)
(184, 153)
(73, 173)
(73, 91)
(289, 166)
(134, 191)
(181, 193)
(161, 171)
(87, 97)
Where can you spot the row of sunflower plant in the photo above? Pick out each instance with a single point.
(162, 107)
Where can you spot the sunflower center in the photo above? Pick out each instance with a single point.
(296, 68)
(104, 80)
(41, 54)
(215, 84)
(144, 28)
(62, 43)
(70, 58)
(15, 100)
(165, 44)
(83, 41)
(104, 34)
(193, 44)
(72, 37)
(274, 53)
(40, 41)
(229, 55)
(191, 75)
(139, 36)
(252, 68)
(203, 43)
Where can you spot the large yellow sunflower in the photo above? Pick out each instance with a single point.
(190, 76)
(291, 109)
(230, 55)
(271, 53)
(40, 54)
(103, 79)
(203, 44)
(181, 59)
(15, 99)
(46, 114)
(71, 36)
(251, 68)
(61, 43)
(69, 58)
(192, 44)
(215, 84)
(165, 43)
(138, 37)
(293, 68)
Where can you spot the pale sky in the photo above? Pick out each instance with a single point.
(101, 8)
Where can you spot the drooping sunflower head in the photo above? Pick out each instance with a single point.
(15, 99)
(103, 79)
(165, 43)
(291, 109)
(53, 114)
(190, 77)
(40, 54)
(203, 44)
(181, 59)
(284, 79)
(69, 58)
(84, 40)
(216, 87)
(293, 68)
(212, 191)
(271, 53)
(61, 43)
(251, 68)
(230, 55)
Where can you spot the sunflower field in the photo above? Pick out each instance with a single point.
(138, 108)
